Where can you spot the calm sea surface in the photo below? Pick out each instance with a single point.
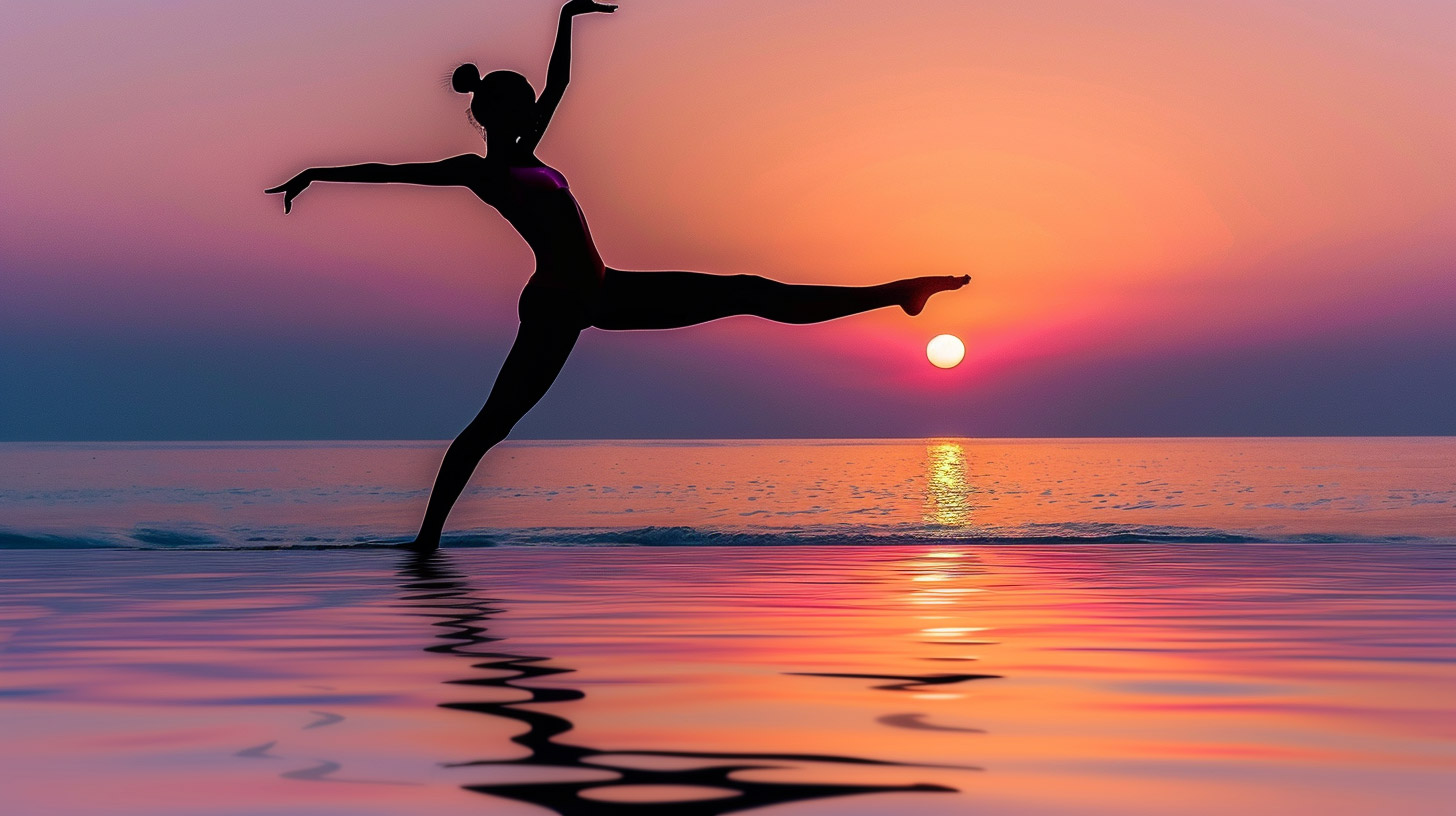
(684, 493)
(931, 627)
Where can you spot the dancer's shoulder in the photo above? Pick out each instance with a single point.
(473, 169)
(487, 177)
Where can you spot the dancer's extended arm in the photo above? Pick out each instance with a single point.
(444, 173)
(558, 73)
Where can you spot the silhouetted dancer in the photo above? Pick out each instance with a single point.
(571, 288)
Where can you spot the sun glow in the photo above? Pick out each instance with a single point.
(945, 351)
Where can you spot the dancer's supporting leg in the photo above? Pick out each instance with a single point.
(541, 348)
(668, 300)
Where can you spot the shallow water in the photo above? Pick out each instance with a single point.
(938, 679)
(189, 495)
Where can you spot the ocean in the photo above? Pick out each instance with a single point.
(819, 628)
(685, 493)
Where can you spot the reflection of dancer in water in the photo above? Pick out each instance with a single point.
(571, 288)
(436, 589)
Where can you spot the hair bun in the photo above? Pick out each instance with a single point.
(466, 78)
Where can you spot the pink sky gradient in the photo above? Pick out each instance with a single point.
(1129, 186)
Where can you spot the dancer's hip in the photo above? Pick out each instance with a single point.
(559, 299)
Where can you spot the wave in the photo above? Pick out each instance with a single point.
(152, 538)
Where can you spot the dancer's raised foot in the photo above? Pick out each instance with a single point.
(919, 290)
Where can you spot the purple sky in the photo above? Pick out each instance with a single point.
(1182, 219)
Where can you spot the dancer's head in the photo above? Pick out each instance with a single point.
(502, 102)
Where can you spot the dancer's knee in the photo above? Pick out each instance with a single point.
(756, 294)
(755, 284)
(481, 435)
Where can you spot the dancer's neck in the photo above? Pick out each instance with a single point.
(505, 148)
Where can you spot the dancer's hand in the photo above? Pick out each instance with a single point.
(291, 189)
(575, 7)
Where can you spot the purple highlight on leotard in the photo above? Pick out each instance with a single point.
(540, 177)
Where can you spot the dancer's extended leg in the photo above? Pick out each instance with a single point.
(534, 361)
(668, 300)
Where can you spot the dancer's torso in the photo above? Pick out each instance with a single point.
(539, 204)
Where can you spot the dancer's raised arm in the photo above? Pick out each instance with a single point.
(558, 73)
(454, 171)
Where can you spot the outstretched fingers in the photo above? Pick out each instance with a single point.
(288, 195)
(292, 188)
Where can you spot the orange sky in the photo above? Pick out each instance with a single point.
(1175, 179)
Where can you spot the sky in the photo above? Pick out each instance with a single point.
(1193, 218)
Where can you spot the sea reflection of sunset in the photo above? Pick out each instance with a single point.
(853, 680)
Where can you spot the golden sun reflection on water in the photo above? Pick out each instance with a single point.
(941, 567)
(946, 487)
(939, 648)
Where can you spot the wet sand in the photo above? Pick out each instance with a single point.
(1089, 679)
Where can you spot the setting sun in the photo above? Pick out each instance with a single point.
(945, 351)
